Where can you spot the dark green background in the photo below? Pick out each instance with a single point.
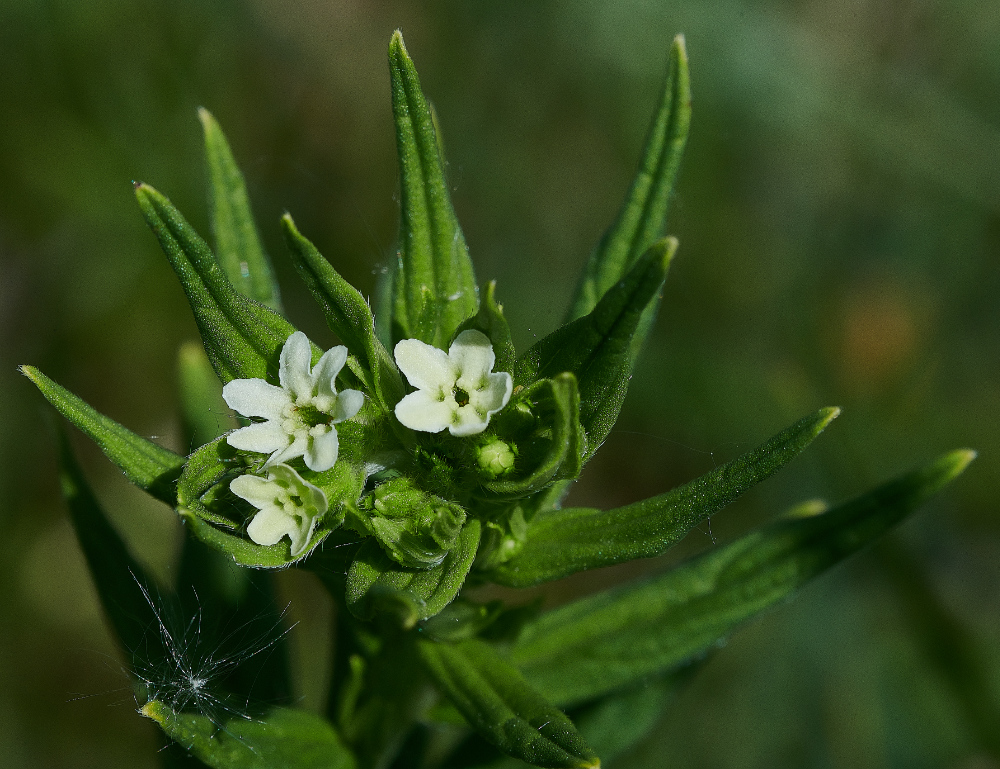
(838, 218)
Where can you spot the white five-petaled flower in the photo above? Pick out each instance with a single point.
(288, 505)
(455, 389)
(300, 414)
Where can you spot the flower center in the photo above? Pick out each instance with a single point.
(461, 396)
(312, 416)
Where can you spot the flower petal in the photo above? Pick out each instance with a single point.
(349, 403)
(258, 492)
(270, 525)
(425, 367)
(494, 395)
(312, 496)
(466, 420)
(473, 356)
(255, 398)
(322, 452)
(294, 366)
(425, 412)
(298, 447)
(325, 372)
(264, 437)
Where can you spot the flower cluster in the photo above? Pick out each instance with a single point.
(456, 390)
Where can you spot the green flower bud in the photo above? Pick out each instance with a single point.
(416, 529)
(496, 459)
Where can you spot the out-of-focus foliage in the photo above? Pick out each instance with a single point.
(839, 215)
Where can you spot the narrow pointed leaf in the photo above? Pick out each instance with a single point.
(601, 643)
(116, 574)
(435, 287)
(284, 737)
(377, 584)
(237, 242)
(149, 466)
(640, 221)
(597, 347)
(502, 707)
(347, 314)
(562, 542)
(242, 338)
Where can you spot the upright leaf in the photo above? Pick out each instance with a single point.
(597, 347)
(284, 737)
(149, 466)
(347, 314)
(502, 707)
(573, 539)
(237, 243)
(598, 644)
(242, 338)
(640, 220)
(435, 287)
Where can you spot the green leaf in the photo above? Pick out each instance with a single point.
(116, 574)
(152, 468)
(550, 442)
(606, 641)
(284, 737)
(347, 314)
(377, 584)
(597, 347)
(562, 542)
(204, 414)
(640, 220)
(237, 243)
(502, 707)
(435, 287)
(490, 321)
(242, 338)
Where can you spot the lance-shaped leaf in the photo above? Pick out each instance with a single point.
(491, 321)
(435, 288)
(149, 466)
(283, 737)
(242, 338)
(596, 348)
(502, 707)
(562, 542)
(116, 574)
(237, 242)
(377, 584)
(347, 314)
(551, 445)
(596, 645)
(640, 220)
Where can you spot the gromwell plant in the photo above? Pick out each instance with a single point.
(424, 455)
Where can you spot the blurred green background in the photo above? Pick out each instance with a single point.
(839, 217)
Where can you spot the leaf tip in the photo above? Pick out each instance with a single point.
(954, 463)
(396, 45)
(827, 415)
(153, 710)
(206, 118)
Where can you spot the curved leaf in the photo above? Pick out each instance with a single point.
(562, 542)
(606, 641)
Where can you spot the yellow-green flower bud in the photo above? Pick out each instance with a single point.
(496, 459)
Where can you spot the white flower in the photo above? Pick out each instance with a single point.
(454, 389)
(300, 414)
(288, 506)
